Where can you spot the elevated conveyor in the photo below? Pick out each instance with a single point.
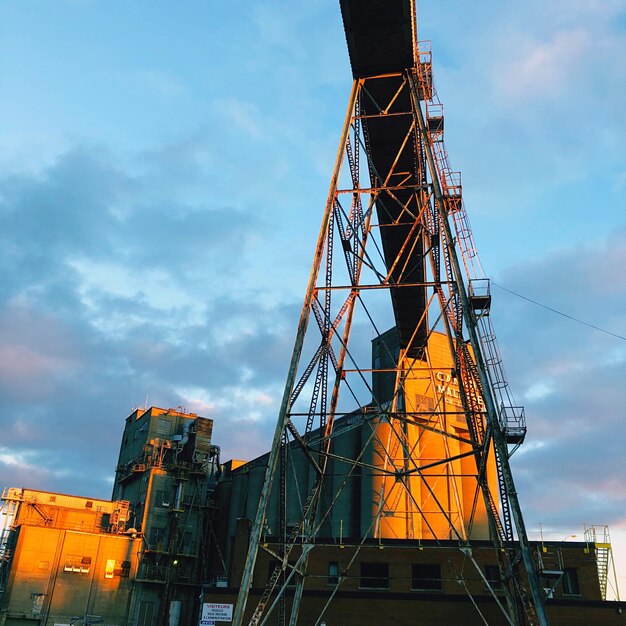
(380, 44)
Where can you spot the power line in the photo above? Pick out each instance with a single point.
(569, 317)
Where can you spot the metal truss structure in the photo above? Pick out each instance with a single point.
(394, 231)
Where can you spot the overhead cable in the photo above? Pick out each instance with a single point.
(569, 317)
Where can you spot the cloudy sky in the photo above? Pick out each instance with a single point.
(163, 169)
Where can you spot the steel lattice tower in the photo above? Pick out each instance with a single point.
(436, 420)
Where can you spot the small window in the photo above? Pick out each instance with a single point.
(52, 499)
(426, 577)
(116, 568)
(333, 573)
(161, 499)
(89, 504)
(77, 564)
(374, 576)
(146, 613)
(424, 403)
(377, 362)
(570, 582)
(492, 574)
(164, 427)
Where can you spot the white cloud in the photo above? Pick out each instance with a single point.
(155, 287)
(244, 116)
(543, 69)
(539, 391)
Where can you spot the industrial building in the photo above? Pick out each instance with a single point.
(65, 559)
(386, 495)
(179, 524)
(359, 573)
(139, 559)
(408, 582)
(167, 470)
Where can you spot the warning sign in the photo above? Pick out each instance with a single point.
(216, 613)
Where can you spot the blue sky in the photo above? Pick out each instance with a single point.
(163, 170)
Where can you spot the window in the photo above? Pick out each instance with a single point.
(426, 577)
(52, 499)
(161, 499)
(37, 604)
(492, 574)
(333, 573)
(164, 427)
(377, 362)
(89, 504)
(77, 564)
(374, 576)
(424, 403)
(116, 568)
(145, 613)
(570, 582)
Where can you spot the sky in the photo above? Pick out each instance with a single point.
(163, 171)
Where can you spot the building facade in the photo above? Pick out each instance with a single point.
(167, 470)
(409, 568)
(408, 582)
(137, 560)
(65, 560)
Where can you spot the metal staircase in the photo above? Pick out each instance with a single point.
(599, 536)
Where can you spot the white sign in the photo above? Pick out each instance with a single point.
(216, 613)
